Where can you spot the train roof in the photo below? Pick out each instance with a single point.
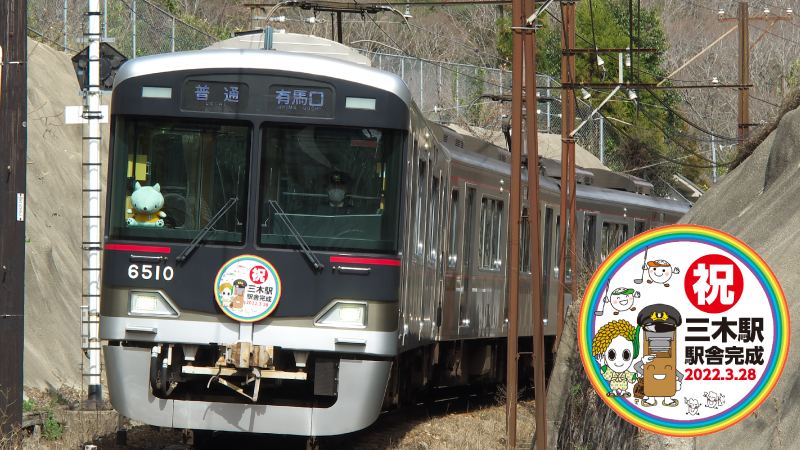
(293, 43)
(233, 59)
(549, 146)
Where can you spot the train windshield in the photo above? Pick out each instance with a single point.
(337, 187)
(172, 176)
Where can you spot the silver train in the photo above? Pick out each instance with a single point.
(290, 247)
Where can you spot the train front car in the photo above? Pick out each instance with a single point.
(252, 259)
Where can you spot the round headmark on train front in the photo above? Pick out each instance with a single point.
(247, 288)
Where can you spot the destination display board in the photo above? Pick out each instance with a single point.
(300, 101)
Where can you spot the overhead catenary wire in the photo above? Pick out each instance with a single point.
(678, 132)
(679, 144)
(656, 153)
(475, 49)
(692, 124)
(432, 62)
(762, 100)
(777, 35)
(681, 133)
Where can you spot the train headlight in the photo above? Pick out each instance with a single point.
(344, 314)
(150, 304)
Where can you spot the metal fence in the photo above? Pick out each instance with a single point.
(447, 92)
(134, 27)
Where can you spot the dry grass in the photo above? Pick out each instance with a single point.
(459, 425)
(482, 429)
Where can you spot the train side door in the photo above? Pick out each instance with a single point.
(466, 297)
(430, 281)
(453, 281)
(525, 325)
(409, 245)
(420, 225)
(490, 262)
(549, 281)
(557, 277)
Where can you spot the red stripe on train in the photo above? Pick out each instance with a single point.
(378, 262)
(137, 248)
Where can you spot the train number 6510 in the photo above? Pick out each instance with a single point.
(149, 271)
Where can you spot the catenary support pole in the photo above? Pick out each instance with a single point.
(532, 125)
(744, 72)
(65, 26)
(567, 155)
(13, 158)
(339, 27)
(91, 171)
(133, 19)
(517, 68)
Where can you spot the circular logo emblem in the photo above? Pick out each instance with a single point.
(713, 283)
(684, 330)
(247, 288)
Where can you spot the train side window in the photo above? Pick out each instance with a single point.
(525, 243)
(483, 245)
(433, 219)
(452, 258)
(638, 227)
(589, 239)
(491, 222)
(612, 236)
(567, 256)
(497, 225)
(420, 219)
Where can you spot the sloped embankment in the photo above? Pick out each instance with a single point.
(53, 220)
(758, 203)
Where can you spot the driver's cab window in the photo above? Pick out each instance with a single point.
(172, 177)
(330, 187)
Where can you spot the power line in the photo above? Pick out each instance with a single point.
(671, 79)
(562, 24)
(699, 6)
(762, 100)
(434, 63)
(776, 35)
(687, 149)
(477, 50)
(656, 153)
(677, 114)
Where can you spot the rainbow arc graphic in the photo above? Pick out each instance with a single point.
(775, 358)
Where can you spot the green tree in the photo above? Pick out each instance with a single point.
(649, 137)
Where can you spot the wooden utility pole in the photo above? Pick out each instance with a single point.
(743, 20)
(13, 158)
(517, 69)
(532, 127)
(744, 71)
(568, 205)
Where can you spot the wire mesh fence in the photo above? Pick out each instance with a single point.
(449, 92)
(444, 91)
(134, 27)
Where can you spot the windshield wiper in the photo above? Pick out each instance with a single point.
(206, 229)
(311, 256)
